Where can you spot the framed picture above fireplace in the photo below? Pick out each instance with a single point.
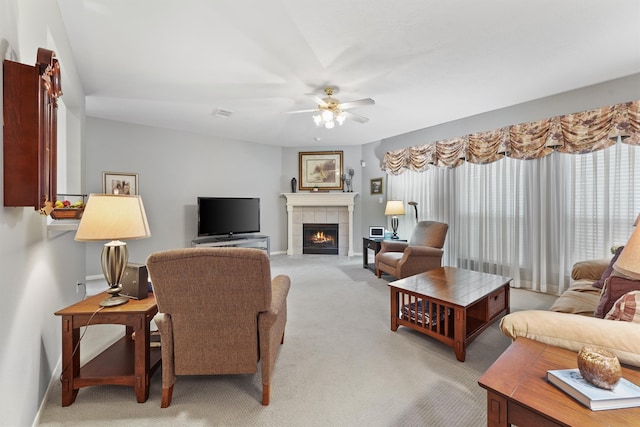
(320, 170)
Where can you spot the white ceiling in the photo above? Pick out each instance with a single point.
(172, 63)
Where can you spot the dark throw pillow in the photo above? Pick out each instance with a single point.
(607, 272)
(614, 287)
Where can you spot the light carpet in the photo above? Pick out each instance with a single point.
(340, 365)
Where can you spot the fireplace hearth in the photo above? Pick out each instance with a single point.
(320, 239)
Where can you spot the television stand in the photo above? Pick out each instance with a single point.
(249, 240)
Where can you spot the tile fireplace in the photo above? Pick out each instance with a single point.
(320, 208)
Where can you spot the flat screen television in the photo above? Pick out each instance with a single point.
(218, 216)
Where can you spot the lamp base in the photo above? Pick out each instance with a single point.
(113, 301)
(114, 261)
(394, 227)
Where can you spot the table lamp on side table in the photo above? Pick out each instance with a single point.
(114, 218)
(628, 263)
(394, 208)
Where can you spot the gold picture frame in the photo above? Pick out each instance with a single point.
(320, 170)
(120, 183)
(376, 186)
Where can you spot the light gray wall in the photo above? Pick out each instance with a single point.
(372, 206)
(174, 168)
(39, 271)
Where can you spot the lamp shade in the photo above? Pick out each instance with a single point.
(394, 207)
(628, 263)
(113, 217)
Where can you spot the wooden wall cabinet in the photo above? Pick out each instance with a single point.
(30, 131)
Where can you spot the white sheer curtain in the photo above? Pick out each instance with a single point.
(528, 219)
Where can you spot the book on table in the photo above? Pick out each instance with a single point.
(624, 395)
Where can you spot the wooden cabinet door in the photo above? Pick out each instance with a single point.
(30, 131)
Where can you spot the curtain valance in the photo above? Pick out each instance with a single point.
(576, 133)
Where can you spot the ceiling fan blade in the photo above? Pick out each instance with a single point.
(301, 111)
(317, 99)
(358, 103)
(355, 117)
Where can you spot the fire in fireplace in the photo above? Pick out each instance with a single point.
(320, 239)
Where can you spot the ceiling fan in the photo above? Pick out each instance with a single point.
(332, 111)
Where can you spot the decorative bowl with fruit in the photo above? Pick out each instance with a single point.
(65, 209)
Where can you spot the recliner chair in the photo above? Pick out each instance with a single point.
(219, 312)
(422, 253)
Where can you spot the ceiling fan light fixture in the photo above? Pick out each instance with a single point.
(331, 111)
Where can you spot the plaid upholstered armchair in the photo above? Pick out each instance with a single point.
(422, 253)
(219, 312)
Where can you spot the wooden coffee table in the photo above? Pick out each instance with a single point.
(518, 392)
(459, 304)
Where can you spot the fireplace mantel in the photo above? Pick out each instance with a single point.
(319, 199)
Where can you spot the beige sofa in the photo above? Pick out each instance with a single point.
(570, 323)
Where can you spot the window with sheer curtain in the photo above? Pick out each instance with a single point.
(530, 220)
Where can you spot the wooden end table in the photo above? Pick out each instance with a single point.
(373, 244)
(130, 361)
(518, 391)
(460, 304)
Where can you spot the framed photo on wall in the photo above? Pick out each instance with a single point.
(120, 183)
(376, 186)
(320, 170)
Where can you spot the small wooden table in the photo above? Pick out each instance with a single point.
(459, 304)
(129, 361)
(518, 391)
(373, 244)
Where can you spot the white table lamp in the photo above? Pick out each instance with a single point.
(394, 208)
(113, 218)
